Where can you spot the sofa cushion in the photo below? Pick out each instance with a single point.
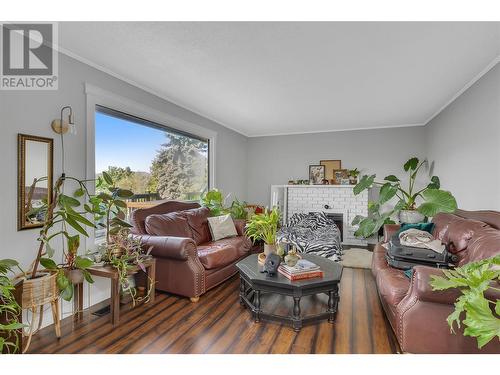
(441, 223)
(392, 285)
(173, 224)
(484, 244)
(459, 233)
(222, 227)
(223, 252)
(198, 222)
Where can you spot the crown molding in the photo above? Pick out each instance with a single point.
(140, 86)
(476, 78)
(149, 90)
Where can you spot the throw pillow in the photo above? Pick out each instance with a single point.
(172, 224)
(426, 227)
(222, 227)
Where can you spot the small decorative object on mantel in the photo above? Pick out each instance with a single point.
(316, 174)
(330, 166)
(338, 175)
(325, 182)
(353, 176)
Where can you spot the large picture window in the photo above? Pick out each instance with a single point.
(154, 161)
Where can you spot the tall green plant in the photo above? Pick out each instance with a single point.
(9, 309)
(264, 226)
(433, 199)
(473, 280)
(215, 202)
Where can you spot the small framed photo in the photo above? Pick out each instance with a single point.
(316, 174)
(338, 175)
(330, 166)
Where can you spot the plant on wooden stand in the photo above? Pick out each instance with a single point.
(122, 251)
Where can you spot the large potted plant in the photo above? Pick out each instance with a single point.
(215, 202)
(478, 313)
(264, 227)
(413, 204)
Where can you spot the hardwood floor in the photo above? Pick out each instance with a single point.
(219, 324)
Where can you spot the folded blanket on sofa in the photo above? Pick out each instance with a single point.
(422, 239)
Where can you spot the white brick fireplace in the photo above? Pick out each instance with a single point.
(338, 199)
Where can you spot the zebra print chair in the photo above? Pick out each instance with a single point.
(313, 233)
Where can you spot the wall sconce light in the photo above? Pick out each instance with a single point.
(61, 126)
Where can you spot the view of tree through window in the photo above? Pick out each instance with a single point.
(152, 161)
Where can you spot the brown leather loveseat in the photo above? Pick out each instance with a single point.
(418, 314)
(188, 262)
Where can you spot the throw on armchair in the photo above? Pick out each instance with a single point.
(188, 262)
(313, 233)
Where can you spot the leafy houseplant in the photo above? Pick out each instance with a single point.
(214, 201)
(122, 251)
(433, 199)
(9, 310)
(264, 227)
(353, 176)
(482, 314)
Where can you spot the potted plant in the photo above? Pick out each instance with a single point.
(353, 176)
(10, 310)
(433, 199)
(121, 250)
(264, 227)
(479, 314)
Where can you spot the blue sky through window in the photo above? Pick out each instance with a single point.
(121, 143)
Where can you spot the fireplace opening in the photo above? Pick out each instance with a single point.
(338, 219)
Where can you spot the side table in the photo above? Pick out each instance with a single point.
(112, 274)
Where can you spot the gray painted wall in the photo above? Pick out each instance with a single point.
(464, 143)
(31, 112)
(275, 160)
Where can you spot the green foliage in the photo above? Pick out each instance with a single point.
(473, 280)
(179, 169)
(214, 201)
(9, 309)
(264, 226)
(433, 199)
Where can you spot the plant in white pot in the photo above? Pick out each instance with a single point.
(432, 199)
(264, 227)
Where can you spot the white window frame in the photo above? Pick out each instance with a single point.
(97, 96)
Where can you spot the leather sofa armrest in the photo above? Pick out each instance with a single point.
(390, 230)
(179, 248)
(422, 288)
(240, 226)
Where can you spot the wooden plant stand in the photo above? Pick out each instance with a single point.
(112, 274)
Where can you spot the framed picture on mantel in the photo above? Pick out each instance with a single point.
(316, 174)
(330, 166)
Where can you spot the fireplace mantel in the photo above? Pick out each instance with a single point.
(291, 199)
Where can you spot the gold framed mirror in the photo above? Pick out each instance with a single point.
(35, 173)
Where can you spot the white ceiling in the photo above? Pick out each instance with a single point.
(280, 78)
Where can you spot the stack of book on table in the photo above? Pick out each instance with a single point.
(304, 269)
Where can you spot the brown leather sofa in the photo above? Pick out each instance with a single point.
(188, 262)
(418, 314)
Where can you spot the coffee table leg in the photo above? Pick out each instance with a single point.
(257, 306)
(242, 290)
(333, 299)
(297, 321)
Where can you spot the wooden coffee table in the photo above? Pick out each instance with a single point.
(253, 284)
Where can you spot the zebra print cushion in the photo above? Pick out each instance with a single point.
(313, 233)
